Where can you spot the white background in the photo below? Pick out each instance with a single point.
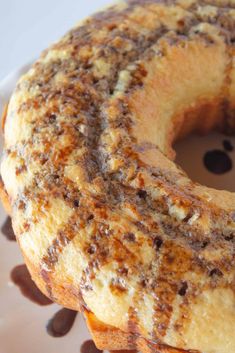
(29, 26)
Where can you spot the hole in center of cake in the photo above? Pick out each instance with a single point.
(208, 160)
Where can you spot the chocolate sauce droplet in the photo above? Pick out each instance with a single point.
(216, 272)
(228, 145)
(158, 242)
(61, 323)
(142, 194)
(7, 230)
(217, 162)
(89, 347)
(76, 203)
(20, 276)
(183, 289)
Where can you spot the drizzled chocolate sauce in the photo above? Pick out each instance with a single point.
(217, 162)
(20, 276)
(61, 323)
(89, 347)
(7, 230)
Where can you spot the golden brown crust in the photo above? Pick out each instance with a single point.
(4, 198)
(104, 217)
(4, 116)
(3, 194)
(108, 337)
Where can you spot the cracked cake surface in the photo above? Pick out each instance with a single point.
(105, 219)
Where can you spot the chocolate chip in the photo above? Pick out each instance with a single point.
(142, 194)
(52, 118)
(92, 249)
(183, 289)
(130, 237)
(229, 237)
(76, 203)
(204, 244)
(157, 242)
(89, 218)
(216, 272)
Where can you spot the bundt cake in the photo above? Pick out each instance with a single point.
(107, 223)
